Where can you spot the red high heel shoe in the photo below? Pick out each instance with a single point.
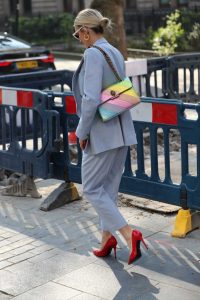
(109, 245)
(136, 252)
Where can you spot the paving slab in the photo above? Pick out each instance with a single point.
(45, 251)
(23, 277)
(86, 296)
(107, 282)
(170, 269)
(166, 292)
(5, 297)
(49, 291)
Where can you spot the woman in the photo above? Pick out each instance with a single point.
(104, 144)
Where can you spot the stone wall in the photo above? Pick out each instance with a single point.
(45, 6)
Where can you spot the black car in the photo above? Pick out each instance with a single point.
(18, 56)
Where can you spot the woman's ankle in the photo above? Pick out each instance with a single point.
(105, 236)
(126, 232)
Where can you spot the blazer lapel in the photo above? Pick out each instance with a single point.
(75, 88)
(77, 71)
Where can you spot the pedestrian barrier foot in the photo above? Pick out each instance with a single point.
(186, 221)
(21, 185)
(65, 193)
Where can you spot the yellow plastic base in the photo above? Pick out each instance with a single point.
(74, 192)
(183, 223)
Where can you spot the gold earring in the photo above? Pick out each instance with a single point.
(86, 37)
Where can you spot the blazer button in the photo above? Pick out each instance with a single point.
(113, 93)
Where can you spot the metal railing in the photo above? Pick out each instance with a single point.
(177, 76)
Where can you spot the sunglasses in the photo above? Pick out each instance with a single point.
(76, 33)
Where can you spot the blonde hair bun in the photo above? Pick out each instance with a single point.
(91, 18)
(105, 22)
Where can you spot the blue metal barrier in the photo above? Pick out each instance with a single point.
(155, 79)
(62, 161)
(51, 80)
(27, 153)
(152, 114)
(50, 109)
(167, 115)
(61, 80)
(177, 76)
(183, 77)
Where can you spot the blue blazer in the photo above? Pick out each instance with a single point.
(92, 76)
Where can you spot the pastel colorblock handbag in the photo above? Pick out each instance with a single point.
(118, 97)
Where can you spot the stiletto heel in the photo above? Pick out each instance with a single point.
(106, 250)
(136, 252)
(144, 243)
(115, 252)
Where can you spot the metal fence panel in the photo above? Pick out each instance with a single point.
(23, 148)
(183, 76)
(41, 80)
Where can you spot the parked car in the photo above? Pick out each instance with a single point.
(18, 56)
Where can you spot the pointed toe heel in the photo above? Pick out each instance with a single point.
(136, 252)
(106, 250)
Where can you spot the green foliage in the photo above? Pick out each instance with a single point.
(45, 28)
(194, 37)
(166, 39)
(181, 33)
(188, 18)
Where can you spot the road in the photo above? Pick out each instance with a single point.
(66, 64)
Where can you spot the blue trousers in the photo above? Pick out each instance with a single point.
(101, 176)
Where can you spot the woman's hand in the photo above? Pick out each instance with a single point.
(83, 144)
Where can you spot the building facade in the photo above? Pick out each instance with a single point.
(159, 4)
(142, 14)
(139, 14)
(34, 7)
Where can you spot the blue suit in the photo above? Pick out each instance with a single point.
(104, 156)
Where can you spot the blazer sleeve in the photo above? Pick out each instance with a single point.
(92, 91)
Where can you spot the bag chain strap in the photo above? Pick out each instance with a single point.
(109, 62)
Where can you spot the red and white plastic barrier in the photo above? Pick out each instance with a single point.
(16, 98)
(70, 105)
(155, 113)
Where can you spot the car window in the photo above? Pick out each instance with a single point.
(8, 43)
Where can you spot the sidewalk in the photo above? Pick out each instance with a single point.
(67, 64)
(47, 255)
